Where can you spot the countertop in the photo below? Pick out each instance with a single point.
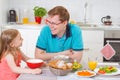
(24, 26)
(89, 26)
(100, 28)
(28, 26)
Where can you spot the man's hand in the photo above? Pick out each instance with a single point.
(67, 52)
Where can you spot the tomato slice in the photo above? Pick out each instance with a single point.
(101, 72)
(110, 67)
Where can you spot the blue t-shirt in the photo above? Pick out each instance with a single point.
(51, 44)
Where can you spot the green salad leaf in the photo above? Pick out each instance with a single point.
(108, 69)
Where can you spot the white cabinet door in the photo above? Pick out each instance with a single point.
(93, 43)
(29, 40)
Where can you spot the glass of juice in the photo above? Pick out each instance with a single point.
(92, 63)
(25, 20)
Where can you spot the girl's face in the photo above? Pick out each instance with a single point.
(17, 42)
(57, 27)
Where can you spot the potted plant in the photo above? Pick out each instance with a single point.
(39, 12)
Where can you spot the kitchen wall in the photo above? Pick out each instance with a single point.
(3, 10)
(96, 9)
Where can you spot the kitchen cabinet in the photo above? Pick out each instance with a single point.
(29, 41)
(93, 43)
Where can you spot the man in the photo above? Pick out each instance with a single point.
(59, 37)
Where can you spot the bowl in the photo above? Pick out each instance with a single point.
(34, 63)
(59, 72)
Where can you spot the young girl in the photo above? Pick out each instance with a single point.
(11, 56)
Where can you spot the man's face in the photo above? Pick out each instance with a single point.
(57, 27)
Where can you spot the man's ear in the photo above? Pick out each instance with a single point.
(65, 22)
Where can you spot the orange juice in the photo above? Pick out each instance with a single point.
(92, 64)
(25, 20)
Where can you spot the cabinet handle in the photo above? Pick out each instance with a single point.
(113, 41)
(86, 49)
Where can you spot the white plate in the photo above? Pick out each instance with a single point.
(114, 73)
(85, 76)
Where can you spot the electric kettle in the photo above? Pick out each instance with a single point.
(106, 20)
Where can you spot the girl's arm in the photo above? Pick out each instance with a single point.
(16, 69)
(24, 57)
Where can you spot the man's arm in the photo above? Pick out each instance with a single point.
(76, 55)
(41, 54)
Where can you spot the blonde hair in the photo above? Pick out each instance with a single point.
(7, 36)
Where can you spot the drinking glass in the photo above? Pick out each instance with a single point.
(92, 63)
(25, 17)
(25, 20)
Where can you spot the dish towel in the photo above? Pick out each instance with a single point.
(108, 52)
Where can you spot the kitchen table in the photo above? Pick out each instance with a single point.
(47, 75)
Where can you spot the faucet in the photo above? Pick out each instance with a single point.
(85, 12)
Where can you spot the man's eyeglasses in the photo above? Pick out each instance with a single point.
(52, 23)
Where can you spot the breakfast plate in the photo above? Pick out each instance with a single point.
(85, 73)
(107, 74)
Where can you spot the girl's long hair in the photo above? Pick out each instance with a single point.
(7, 36)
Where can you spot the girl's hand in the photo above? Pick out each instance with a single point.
(36, 71)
